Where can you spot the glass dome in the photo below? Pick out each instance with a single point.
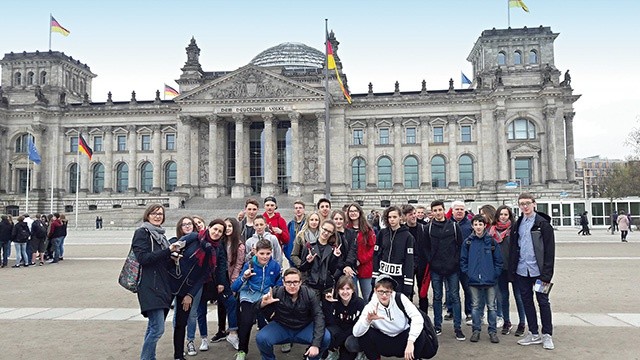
(291, 56)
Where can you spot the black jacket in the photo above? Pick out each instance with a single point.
(343, 316)
(444, 239)
(6, 228)
(20, 232)
(319, 274)
(154, 291)
(393, 255)
(349, 251)
(420, 248)
(544, 246)
(296, 315)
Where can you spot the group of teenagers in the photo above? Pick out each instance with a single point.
(346, 289)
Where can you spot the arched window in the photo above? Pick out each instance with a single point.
(411, 176)
(22, 143)
(98, 178)
(522, 129)
(384, 173)
(170, 176)
(30, 76)
(73, 178)
(438, 172)
(122, 177)
(502, 58)
(533, 57)
(517, 57)
(43, 77)
(17, 79)
(465, 165)
(358, 173)
(146, 177)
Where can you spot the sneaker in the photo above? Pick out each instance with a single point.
(530, 339)
(520, 330)
(448, 317)
(499, 322)
(285, 348)
(547, 342)
(361, 356)
(438, 331)
(332, 355)
(506, 328)
(460, 335)
(469, 320)
(475, 337)
(191, 349)
(240, 355)
(494, 338)
(234, 340)
(218, 337)
(204, 346)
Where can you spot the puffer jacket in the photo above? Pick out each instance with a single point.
(265, 278)
(481, 260)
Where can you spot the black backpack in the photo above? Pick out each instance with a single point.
(431, 345)
(38, 230)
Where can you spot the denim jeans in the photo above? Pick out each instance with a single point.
(503, 299)
(525, 285)
(481, 296)
(193, 316)
(274, 334)
(21, 253)
(61, 245)
(365, 286)
(155, 329)
(5, 247)
(199, 318)
(56, 248)
(453, 294)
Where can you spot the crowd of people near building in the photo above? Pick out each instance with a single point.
(343, 283)
(35, 240)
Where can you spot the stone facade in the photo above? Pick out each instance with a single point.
(261, 130)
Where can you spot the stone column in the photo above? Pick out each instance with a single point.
(270, 183)
(194, 156)
(37, 171)
(570, 160)
(86, 172)
(501, 137)
(108, 159)
(321, 151)
(398, 165)
(239, 188)
(452, 161)
(425, 159)
(4, 172)
(157, 160)
(133, 160)
(183, 147)
(215, 166)
(297, 159)
(372, 184)
(550, 121)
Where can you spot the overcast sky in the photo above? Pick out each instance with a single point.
(140, 45)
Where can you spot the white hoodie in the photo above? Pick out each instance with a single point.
(394, 321)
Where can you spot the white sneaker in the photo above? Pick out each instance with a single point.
(233, 340)
(241, 355)
(499, 322)
(547, 342)
(333, 355)
(530, 339)
(191, 349)
(285, 348)
(204, 346)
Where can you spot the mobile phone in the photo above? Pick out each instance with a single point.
(181, 243)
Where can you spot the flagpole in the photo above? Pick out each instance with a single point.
(50, 16)
(77, 177)
(327, 163)
(508, 15)
(52, 179)
(27, 199)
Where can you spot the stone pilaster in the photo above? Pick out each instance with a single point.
(397, 166)
(425, 161)
(372, 183)
(570, 159)
(452, 159)
(501, 137)
(108, 159)
(184, 151)
(295, 187)
(550, 121)
(4, 173)
(194, 156)
(320, 117)
(157, 159)
(133, 159)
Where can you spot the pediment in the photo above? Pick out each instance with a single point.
(524, 148)
(251, 83)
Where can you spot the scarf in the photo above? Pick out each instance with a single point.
(201, 253)
(310, 238)
(500, 230)
(157, 234)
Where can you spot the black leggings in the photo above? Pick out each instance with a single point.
(246, 317)
(375, 344)
(338, 338)
(180, 328)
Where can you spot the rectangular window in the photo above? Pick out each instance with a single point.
(384, 136)
(122, 142)
(465, 133)
(438, 134)
(73, 144)
(411, 135)
(523, 170)
(358, 137)
(97, 143)
(170, 142)
(146, 142)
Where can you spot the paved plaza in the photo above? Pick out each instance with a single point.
(76, 309)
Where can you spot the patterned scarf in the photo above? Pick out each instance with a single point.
(500, 230)
(157, 234)
(200, 253)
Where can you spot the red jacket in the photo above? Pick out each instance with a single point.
(277, 221)
(365, 246)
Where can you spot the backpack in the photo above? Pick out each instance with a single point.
(431, 345)
(38, 230)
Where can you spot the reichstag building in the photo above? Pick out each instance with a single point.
(260, 130)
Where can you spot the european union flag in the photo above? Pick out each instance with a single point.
(33, 152)
(464, 79)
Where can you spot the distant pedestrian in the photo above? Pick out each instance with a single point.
(623, 225)
(584, 222)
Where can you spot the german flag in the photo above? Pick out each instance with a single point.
(83, 147)
(56, 27)
(168, 90)
(331, 65)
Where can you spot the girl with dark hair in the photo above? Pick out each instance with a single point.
(321, 259)
(365, 243)
(347, 238)
(341, 311)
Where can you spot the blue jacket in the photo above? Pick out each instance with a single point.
(266, 277)
(191, 275)
(481, 260)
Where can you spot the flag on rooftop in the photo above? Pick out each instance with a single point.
(83, 147)
(56, 27)
(518, 3)
(33, 152)
(168, 90)
(331, 65)
(464, 79)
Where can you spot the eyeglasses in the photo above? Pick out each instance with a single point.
(354, 211)
(384, 292)
(186, 224)
(327, 231)
(292, 283)
(526, 203)
(157, 214)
